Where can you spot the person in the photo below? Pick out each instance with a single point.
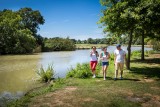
(119, 57)
(94, 60)
(104, 56)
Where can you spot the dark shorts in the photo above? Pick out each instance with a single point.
(105, 63)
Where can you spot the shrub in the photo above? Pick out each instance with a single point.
(82, 71)
(46, 75)
(136, 53)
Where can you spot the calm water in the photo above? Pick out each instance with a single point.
(17, 72)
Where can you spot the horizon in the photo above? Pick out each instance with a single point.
(76, 19)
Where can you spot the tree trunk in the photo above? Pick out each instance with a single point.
(142, 54)
(129, 50)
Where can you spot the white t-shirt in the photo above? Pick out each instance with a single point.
(104, 57)
(93, 57)
(119, 55)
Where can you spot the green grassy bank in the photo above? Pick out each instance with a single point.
(88, 46)
(139, 88)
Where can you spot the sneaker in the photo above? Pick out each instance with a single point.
(94, 76)
(121, 78)
(115, 79)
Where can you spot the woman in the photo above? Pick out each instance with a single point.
(93, 62)
(104, 56)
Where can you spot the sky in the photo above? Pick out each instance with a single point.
(76, 19)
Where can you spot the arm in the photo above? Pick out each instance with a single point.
(115, 58)
(101, 56)
(97, 54)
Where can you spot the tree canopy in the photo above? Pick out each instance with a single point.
(132, 18)
(18, 30)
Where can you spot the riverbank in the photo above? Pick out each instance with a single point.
(140, 87)
(99, 46)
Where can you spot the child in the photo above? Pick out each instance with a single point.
(104, 56)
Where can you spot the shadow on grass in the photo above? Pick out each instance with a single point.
(147, 71)
(109, 78)
(151, 60)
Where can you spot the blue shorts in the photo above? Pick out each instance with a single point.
(105, 63)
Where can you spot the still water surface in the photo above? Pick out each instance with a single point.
(17, 72)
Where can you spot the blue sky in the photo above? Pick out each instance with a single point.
(74, 18)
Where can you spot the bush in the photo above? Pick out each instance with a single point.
(46, 75)
(136, 53)
(82, 71)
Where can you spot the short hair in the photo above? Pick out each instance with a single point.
(118, 45)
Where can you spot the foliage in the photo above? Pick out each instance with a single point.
(133, 18)
(18, 31)
(59, 44)
(137, 54)
(31, 19)
(82, 71)
(46, 75)
(156, 44)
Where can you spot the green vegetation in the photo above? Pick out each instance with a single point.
(82, 71)
(58, 44)
(18, 31)
(134, 19)
(88, 46)
(140, 87)
(46, 75)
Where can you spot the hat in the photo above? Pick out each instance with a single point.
(118, 45)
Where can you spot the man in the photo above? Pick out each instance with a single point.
(119, 57)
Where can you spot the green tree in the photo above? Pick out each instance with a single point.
(59, 44)
(31, 19)
(119, 18)
(14, 38)
(148, 13)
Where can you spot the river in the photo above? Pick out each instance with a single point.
(17, 72)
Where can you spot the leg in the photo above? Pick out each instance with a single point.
(121, 68)
(94, 68)
(105, 71)
(116, 69)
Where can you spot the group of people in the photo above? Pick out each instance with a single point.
(119, 58)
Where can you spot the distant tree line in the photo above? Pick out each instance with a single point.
(112, 40)
(58, 44)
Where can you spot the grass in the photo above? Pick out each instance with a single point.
(46, 75)
(140, 87)
(88, 46)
